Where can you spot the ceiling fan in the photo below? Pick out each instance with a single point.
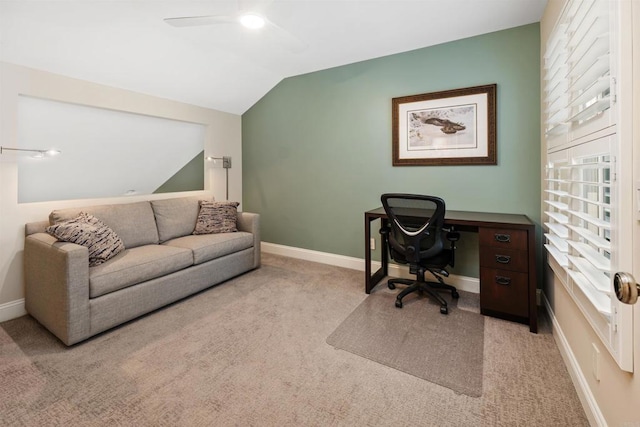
(252, 18)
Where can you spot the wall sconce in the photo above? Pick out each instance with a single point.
(38, 154)
(226, 164)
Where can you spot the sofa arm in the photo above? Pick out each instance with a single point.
(57, 286)
(250, 222)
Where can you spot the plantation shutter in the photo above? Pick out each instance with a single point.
(581, 200)
(577, 65)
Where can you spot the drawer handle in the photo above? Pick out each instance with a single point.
(503, 238)
(501, 280)
(503, 259)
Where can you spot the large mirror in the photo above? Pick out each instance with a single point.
(104, 153)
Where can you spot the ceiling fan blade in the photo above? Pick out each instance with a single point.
(271, 31)
(194, 21)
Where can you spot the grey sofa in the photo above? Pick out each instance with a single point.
(162, 262)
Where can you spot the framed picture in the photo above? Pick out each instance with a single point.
(452, 127)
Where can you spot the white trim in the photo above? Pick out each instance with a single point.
(589, 403)
(463, 283)
(12, 310)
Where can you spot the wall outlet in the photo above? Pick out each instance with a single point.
(595, 361)
(373, 243)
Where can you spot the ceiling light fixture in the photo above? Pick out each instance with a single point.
(252, 21)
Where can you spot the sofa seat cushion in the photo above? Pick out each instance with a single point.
(137, 265)
(206, 247)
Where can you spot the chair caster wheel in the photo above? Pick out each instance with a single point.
(398, 304)
(391, 286)
(444, 310)
(455, 294)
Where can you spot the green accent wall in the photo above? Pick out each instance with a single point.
(189, 178)
(317, 148)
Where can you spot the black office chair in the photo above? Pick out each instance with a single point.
(415, 237)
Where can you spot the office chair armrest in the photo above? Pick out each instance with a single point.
(452, 235)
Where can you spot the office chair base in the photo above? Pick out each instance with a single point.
(391, 284)
(422, 286)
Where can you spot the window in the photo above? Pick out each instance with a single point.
(581, 203)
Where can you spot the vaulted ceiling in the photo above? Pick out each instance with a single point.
(127, 44)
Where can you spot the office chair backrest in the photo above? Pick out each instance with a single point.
(416, 223)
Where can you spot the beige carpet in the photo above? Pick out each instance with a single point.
(418, 339)
(252, 352)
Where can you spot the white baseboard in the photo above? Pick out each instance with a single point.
(11, 310)
(315, 256)
(589, 403)
(463, 283)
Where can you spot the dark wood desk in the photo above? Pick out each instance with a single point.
(507, 261)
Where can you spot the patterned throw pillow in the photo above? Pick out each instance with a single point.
(217, 217)
(87, 230)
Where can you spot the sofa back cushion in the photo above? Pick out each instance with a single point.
(176, 217)
(133, 222)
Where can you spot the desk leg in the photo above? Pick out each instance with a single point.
(384, 249)
(372, 280)
(533, 282)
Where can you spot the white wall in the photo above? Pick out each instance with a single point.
(222, 138)
(613, 399)
(117, 153)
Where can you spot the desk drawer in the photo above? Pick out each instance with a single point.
(504, 258)
(503, 238)
(504, 291)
